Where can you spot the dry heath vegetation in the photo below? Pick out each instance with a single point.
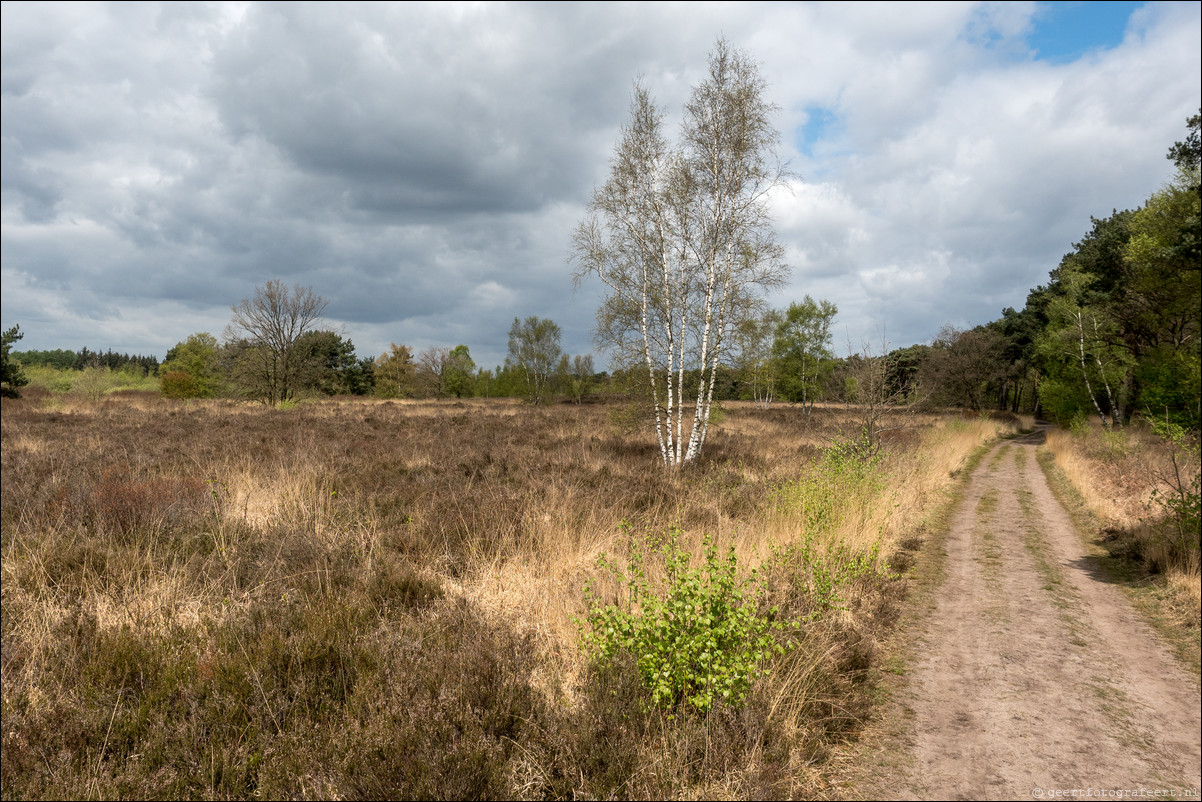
(445, 599)
(1139, 487)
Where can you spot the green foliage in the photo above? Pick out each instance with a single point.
(11, 376)
(458, 372)
(94, 383)
(1187, 155)
(698, 640)
(328, 365)
(178, 384)
(1171, 381)
(575, 376)
(60, 358)
(1082, 345)
(904, 366)
(846, 470)
(820, 573)
(394, 372)
(197, 358)
(1062, 400)
(752, 340)
(1118, 326)
(1079, 424)
(534, 352)
(1182, 502)
(802, 350)
(55, 380)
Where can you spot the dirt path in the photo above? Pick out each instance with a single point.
(1034, 674)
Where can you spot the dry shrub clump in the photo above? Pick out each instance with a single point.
(1142, 489)
(371, 599)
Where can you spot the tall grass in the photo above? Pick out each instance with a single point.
(374, 598)
(1125, 479)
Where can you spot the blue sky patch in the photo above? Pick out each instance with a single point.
(820, 124)
(1063, 32)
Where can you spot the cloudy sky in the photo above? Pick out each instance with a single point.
(423, 166)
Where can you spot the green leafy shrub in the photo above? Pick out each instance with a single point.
(697, 640)
(1182, 501)
(178, 384)
(847, 470)
(819, 579)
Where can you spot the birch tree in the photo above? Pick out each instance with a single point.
(534, 352)
(682, 239)
(803, 350)
(1079, 332)
(752, 343)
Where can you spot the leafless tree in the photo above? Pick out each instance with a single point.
(965, 366)
(431, 370)
(268, 326)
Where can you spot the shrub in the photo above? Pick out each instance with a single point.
(179, 384)
(698, 640)
(815, 576)
(1182, 503)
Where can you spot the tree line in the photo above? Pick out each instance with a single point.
(65, 359)
(1113, 334)
(276, 350)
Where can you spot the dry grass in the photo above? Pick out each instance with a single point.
(380, 598)
(1120, 478)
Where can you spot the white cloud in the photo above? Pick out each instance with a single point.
(423, 166)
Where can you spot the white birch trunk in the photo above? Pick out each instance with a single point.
(1085, 371)
(1116, 414)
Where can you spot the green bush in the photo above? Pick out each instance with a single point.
(697, 640)
(1182, 501)
(178, 384)
(819, 578)
(823, 493)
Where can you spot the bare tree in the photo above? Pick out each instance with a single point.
(682, 238)
(431, 370)
(878, 404)
(965, 366)
(268, 327)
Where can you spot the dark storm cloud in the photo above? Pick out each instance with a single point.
(413, 114)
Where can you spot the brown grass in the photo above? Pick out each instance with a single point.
(380, 598)
(1119, 477)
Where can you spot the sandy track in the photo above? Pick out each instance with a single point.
(1034, 674)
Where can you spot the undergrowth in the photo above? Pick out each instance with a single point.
(697, 640)
(377, 599)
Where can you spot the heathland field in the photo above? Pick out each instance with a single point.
(473, 599)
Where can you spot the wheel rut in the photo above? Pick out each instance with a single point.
(1033, 675)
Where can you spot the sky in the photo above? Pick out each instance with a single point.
(423, 166)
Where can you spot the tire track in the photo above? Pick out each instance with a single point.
(1034, 674)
